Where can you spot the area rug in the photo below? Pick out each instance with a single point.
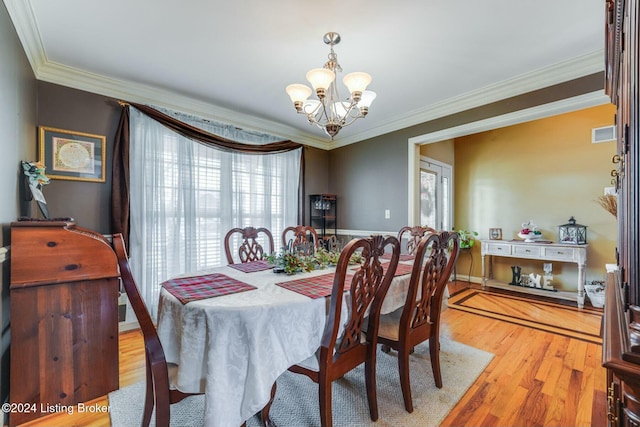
(582, 324)
(296, 402)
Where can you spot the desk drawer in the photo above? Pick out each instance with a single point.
(526, 251)
(498, 249)
(558, 253)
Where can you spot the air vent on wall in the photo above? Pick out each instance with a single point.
(604, 134)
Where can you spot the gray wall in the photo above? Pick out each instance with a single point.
(316, 175)
(64, 108)
(371, 176)
(17, 142)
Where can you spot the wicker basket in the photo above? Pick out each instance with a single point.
(595, 291)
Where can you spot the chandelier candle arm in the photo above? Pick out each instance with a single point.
(329, 112)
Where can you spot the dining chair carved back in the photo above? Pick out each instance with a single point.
(419, 319)
(300, 238)
(344, 344)
(158, 392)
(249, 247)
(414, 235)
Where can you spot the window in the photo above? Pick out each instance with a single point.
(185, 196)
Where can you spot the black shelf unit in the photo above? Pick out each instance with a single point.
(323, 215)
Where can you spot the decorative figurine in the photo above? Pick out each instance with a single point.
(516, 270)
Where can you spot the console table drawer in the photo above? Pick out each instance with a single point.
(498, 248)
(526, 251)
(558, 253)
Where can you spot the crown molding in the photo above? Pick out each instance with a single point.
(145, 94)
(559, 73)
(24, 21)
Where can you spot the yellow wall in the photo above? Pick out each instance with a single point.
(546, 171)
(444, 151)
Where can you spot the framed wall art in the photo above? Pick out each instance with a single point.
(72, 155)
(495, 233)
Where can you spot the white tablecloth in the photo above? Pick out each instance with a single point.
(234, 347)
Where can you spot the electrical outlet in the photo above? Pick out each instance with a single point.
(387, 214)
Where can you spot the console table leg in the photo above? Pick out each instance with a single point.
(484, 276)
(581, 282)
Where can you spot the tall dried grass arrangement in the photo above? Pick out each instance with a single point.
(609, 202)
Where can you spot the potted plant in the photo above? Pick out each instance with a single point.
(467, 238)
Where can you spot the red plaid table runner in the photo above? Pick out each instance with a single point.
(251, 267)
(403, 257)
(195, 288)
(312, 287)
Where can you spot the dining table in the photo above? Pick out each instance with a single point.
(229, 332)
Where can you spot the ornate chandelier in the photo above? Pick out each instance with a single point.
(329, 111)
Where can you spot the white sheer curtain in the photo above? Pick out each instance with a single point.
(185, 196)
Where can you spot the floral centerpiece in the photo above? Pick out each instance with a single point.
(292, 262)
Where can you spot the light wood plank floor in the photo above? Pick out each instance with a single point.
(537, 378)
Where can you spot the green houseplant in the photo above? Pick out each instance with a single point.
(467, 238)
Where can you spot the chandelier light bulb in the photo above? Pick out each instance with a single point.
(321, 79)
(366, 99)
(356, 83)
(298, 94)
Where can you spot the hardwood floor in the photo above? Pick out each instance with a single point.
(537, 378)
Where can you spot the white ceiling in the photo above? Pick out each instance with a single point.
(231, 60)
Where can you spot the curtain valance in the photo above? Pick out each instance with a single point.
(120, 183)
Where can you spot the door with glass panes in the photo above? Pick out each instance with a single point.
(436, 194)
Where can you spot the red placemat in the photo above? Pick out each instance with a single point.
(403, 269)
(195, 288)
(251, 267)
(312, 287)
(403, 257)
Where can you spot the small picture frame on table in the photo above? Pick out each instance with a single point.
(71, 155)
(495, 233)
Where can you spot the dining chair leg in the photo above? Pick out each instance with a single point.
(149, 398)
(264, 414)
(405, 383)
(324, 392)
(434, 350)
(370, 379)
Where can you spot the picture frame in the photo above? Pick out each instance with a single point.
(70, 155)
(495, 233)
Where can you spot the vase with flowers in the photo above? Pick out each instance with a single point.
(36, 179)
(529, 232)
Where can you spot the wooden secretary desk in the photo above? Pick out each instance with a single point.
(621, 321)
(64, 317)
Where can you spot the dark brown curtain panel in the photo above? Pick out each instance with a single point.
(120, 180)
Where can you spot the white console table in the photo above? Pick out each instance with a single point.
(576, 254)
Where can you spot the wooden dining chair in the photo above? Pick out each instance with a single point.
(419, 319)
(414, 235)
(299, 236)
(250, 248)
(343, 346)
(158, 391)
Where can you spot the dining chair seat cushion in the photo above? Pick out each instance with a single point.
(389, 325)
